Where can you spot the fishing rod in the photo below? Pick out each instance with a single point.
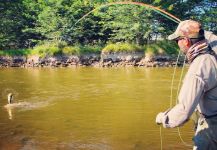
(156, 9)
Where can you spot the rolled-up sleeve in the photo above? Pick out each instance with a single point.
(190, 94)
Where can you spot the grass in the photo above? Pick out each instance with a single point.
(90, 49)
(46, 50)
(71, 50)
(17, 52)
(52, 49)
(122, 47)
(79, 50)
(161, 47)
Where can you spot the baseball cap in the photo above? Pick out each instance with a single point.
(187, 28)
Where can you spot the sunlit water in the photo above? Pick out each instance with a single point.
(87, 109)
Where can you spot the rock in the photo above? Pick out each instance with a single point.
(64, 64)
(122, 56)
(33, 60)
(120, 59)
(15, 65)
(72, 59)
(148, 58)
(129, 58)
(19, 59)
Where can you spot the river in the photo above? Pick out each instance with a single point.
(87, 109)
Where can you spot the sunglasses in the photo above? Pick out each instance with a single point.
(179, 38)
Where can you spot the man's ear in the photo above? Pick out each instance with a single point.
(187, 42)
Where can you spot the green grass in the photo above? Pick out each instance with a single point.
(46, 50)
(52, 49)
(17, 52)
(71, 50)
(87, 49)
(79, 50)
(122, 47)
(161, 47)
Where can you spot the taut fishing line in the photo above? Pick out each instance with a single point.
(172, 82)
(171, 97)
(178, 89)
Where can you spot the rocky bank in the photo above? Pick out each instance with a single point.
(121, 59)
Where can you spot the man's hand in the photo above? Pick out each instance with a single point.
(159, 118)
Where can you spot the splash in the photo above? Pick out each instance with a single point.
(156, 9)
(24, 106)
(6, 91)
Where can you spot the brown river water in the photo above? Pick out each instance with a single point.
(87, 109)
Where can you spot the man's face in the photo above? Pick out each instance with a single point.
(183, 44)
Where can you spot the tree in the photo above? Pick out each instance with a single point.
(11, 23)
(57, 20)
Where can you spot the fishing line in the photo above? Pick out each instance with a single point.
(179, 85)
(161, 139)
(178, 88)
(172, 82)
(171, 96)
(180, 80)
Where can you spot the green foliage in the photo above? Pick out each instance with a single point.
(122, 47)
(150, 50)
(11, 24)
(52, 49)
(51, 20)
(71, 50)
(46, 50)
(26, 23)
(200, 13)
(17, 52)
(126, 23)
(79, 49)
(169, 47)
(90, 49)
(161, 47)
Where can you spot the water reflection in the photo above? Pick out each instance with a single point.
(10, 114)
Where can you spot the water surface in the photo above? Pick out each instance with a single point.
(87, 109)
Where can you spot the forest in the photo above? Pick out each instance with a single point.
(53, 24)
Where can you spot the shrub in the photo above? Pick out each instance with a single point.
(170, 47)
(71, 50)
(161, 47)
(150, 50)
(17, 52)
(122, 47)
(46, 49)
(90, 49)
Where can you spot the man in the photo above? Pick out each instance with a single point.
(199, 89)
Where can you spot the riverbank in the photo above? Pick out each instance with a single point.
(118, 59)
(158, 54)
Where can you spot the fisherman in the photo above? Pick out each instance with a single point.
(199, 89)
